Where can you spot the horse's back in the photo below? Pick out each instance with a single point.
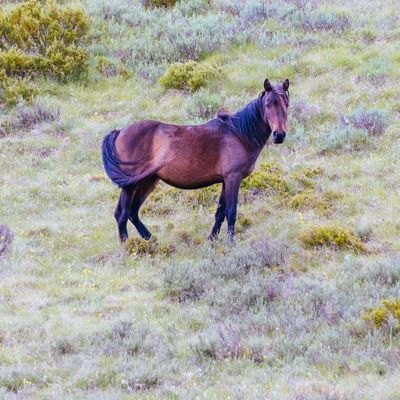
(185, 156)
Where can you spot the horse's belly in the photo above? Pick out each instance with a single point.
(188, 178)
(193, 158)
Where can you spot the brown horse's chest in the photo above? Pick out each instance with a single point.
(249, 170)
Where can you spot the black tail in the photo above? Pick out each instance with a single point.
(112, 162)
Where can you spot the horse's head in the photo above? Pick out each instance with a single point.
(275, 108)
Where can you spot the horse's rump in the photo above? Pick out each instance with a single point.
(120, 172)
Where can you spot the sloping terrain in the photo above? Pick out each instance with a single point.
(304, 306)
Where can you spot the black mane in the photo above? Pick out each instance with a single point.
(248, 123)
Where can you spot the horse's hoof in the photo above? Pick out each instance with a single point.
(147, 237)
(212, 238)
(232, 238)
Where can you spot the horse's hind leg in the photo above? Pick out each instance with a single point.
(219, 215)
(141, 194)
(122, 211)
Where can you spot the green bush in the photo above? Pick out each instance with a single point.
(14, 89)
(189, 76)
(332, 235)
(269, 177)
(40, 38)
(380, 315)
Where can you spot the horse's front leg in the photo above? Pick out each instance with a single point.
(232, 184)
(219, 215)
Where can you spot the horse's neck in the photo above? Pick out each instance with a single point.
(255, 129)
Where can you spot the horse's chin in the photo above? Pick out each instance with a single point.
(278, 141)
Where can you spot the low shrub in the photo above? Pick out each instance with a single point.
(374, 121)
(346, 138)
(40, 38)
(312, 172)
(136, 246)
(15, 379)
(189, 76)
(243, 223)
(304, 176)
(308, 199)
(111, 67)
(63, 346)
(6, 238)
(183, 282)
(12, 90)
(383, 273)
(332, 235)
(207, 196)
(25, 116)
(333, 21)
(381, 314)
(217, 344)
(376, 71)
(268, 177)
(367, 35)
(304, 111)
(159, 3)
(204, 104)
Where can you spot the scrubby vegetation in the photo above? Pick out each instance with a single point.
(6, 238)
(40, 39)
(190, 76)
(331, 235)
(303, 306)
(388, 312)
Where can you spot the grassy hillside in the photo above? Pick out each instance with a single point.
(304, 306)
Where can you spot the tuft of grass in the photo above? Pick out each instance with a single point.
(64, 345)
(22, 377)
(332, 235)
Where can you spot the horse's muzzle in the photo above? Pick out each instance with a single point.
(279, 137)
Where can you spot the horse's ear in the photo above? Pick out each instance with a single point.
(267, 86)
(285, 85)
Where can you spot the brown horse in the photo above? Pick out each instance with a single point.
(222, 150)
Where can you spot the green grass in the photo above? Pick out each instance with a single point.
(267, 317)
